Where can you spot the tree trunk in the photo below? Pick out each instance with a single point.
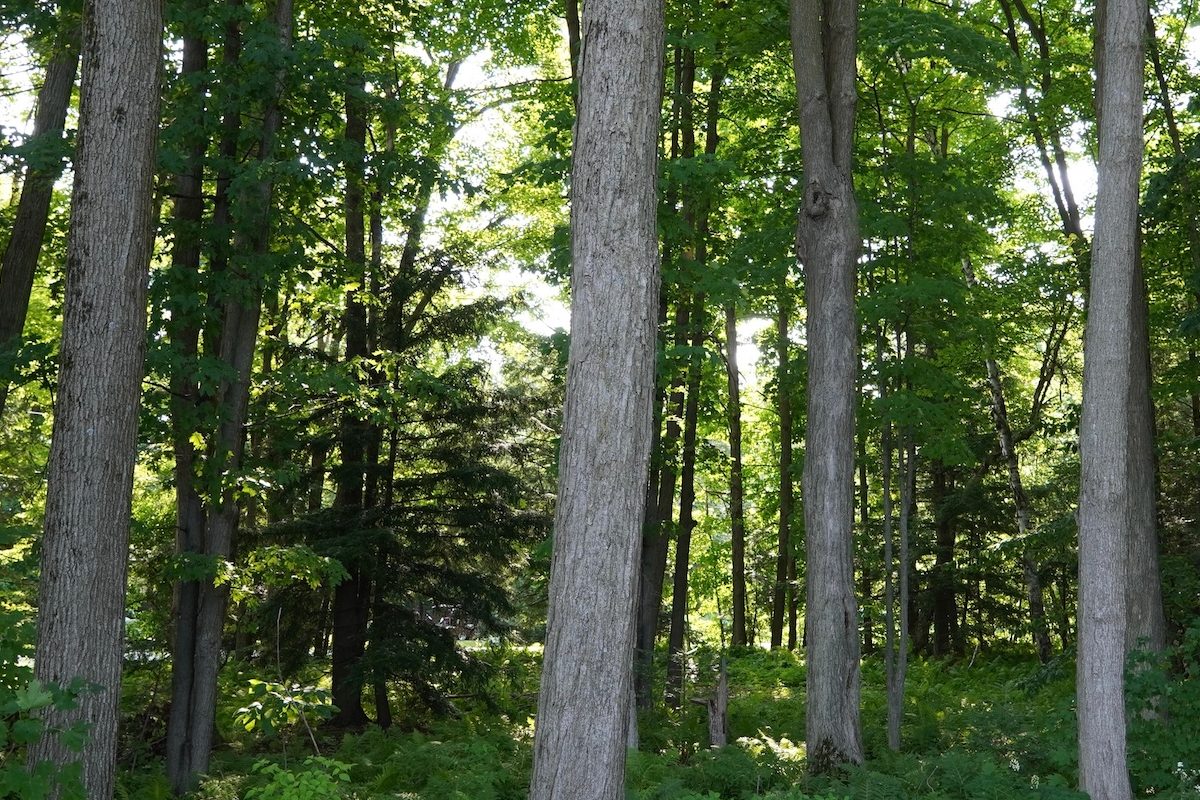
(653, 560)
(784, 404)
(823, 55)
(81, 599)
(583, 706)
(351, 610)
(943, 570)
(18, 265)
(1105, 508)
(190, 746)
(737, 511)
(1147, 626)
(183, 328)
(687, 520)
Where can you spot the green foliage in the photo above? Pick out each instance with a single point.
(318, 779)
(276, 708)
(1163, 703)
(22, 697)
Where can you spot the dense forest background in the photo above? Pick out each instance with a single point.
(348, 434)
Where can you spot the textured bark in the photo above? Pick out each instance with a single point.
(583, 706)
(823, 55)
(1105, 509)
(737, 511)
(18, 265)
(783, 402)
(1147, 625)
(81, 597)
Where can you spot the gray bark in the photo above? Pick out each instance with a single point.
(1105, 509)
(823, 56)
(18, 266)
(1147, 625)
(81, 597)
(583, 706)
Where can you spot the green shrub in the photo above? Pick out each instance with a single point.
(319, 779)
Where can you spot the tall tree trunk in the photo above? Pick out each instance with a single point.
(18, 265)
(823, 56)
(583, 705)
(865, 590)
(183, 328)
(737, 510)
(235, 346)
(350, 597)
(1105, 508)
(895, 696)
(1147, 625)
(687, 519)
(81, 600)
(783, 402)
(943, 571)
(653, 560)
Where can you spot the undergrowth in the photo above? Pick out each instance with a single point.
(997, 727)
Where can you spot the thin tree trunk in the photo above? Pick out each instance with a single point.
(737, 512)
(1008, 450)
(18, 265)
(81, 600)
(653, 560)
(823, 38)
(687, 520)
(783, 402)
(583, 705)
(1105, 508)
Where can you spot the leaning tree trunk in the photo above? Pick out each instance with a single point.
(823, 47)
(18, 265)
(81, 598)
(583, 706)
(823, 56)
(1105, 509)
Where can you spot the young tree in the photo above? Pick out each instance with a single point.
(823, 56)
(583, 707)
(1105, 506)
(81, 599)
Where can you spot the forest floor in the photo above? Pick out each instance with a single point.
(990, 727)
